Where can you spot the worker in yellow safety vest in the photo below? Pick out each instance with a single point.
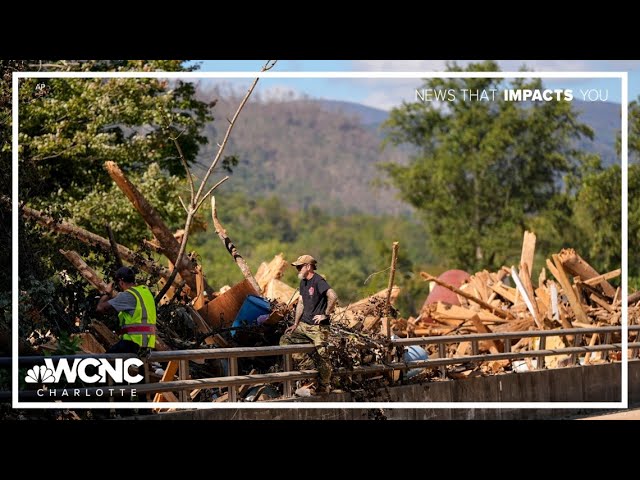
(136, 310)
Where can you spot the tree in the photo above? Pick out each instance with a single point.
(483, 170)
(634, 193)
(598, 209)
(68, 128)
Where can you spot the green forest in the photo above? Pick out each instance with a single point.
(473, 180)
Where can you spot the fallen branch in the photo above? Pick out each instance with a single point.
(231, 248)
(114, 245)
(169, 246)
(66, 228)
(86, 271)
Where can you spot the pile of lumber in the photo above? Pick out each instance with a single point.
(574, 295)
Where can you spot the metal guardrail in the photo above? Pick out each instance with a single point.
(233, 380)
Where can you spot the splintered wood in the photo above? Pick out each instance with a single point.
(568, 293)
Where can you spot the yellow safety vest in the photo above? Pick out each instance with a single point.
(141, 326)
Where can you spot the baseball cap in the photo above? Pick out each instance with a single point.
(125, 273)
(303, 259)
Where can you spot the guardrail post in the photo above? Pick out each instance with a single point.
(543, 346)
(474, 347)
(577, 340)
(442, 353)
(148, 396)
(287, 389)
(507, 344)
(233, 371)
(607, 341)
(183, 374)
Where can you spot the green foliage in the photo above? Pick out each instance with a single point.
(349, 248)
(71, 126)
(108, 204)
(598, 214)
(634, 128)
(67, 345)
(485, 169)
(68, 128)
(634, 195)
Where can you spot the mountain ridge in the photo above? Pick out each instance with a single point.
(324, 153)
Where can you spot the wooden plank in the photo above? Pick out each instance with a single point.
(482, 303)
(508, 293)
(525, 278)
(169, 397)
(217, 340)
(274, 270)
(495, 346)
(198, 302)
(576, 265)
(463, 349)
(167, 376)
(602, 303)
(566, 288)
(455, 312)
(479, 282)
(281, 292)
(222, 310)
(103, 334)
(542, 299)
(604, 276)
(528, 253)
(542, 278)
(88, 343)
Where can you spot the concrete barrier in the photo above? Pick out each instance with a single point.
(593, 383)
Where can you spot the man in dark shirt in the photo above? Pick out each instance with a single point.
(312, 317)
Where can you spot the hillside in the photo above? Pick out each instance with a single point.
(324, 153)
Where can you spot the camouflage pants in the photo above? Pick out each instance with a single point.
(319, 336)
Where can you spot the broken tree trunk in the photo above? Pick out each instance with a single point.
(231, 248)
(387, 301)
(573, 263)
(90, 238)
(169, 246)
(86, 271)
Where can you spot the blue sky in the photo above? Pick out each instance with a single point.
(385, 94)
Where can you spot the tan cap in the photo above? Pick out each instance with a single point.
(304, 259)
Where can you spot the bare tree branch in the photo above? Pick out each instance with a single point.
(184, 164)
(197, 199)
(114, 245)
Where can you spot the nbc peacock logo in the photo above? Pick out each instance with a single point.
(39, 374)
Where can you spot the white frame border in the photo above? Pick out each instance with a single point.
(623, 76)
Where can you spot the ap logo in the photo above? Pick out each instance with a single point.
(39, 374)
